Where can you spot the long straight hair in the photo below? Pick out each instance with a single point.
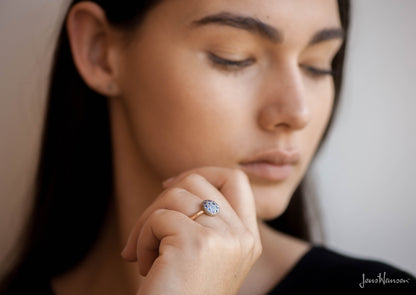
(75, 170)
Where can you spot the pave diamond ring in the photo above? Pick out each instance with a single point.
(209, 207)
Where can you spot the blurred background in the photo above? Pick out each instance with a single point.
(363, 175)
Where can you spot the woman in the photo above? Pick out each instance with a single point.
(158, 106)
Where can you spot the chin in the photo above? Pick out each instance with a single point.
(270, 202)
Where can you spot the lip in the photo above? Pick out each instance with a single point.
(271, 165)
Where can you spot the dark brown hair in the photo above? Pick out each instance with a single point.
(75, 170)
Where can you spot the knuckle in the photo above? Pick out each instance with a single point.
(173, 193)
(252, 245)
(249, 241)
(206, 241)
(210, 239)
(258, 250)
(238, 175)
(156, 215)
(192, 178)
(234, 241)
(176, 191)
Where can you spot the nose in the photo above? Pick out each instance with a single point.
(285, 102)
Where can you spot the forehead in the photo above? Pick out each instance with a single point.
(285, 10)
(285, 14)
(295, 19)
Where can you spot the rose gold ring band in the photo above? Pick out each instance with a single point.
(208, 207)
(197, 214)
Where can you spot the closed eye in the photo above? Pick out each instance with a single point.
(317, 72)
(230, 65)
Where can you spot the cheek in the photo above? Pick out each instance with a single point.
(321, 108)
(182, 118)
(273, 201)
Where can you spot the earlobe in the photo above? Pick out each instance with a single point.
(91, 47)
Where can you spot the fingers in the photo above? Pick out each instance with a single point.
(177, 199)
(161, 225)
(233, 184)
(204, 190)
(183, 196)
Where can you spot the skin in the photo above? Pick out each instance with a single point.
(178, 112)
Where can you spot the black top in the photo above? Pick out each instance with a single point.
(319, 271)
(325, 271)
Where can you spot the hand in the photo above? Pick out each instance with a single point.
(209, 255)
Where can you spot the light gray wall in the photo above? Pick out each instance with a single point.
(364, 174)
(27, 34)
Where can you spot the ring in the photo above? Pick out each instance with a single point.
(209, 207)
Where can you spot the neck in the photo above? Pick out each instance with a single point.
(280, 254)
(136, 185)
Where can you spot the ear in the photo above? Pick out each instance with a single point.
(94, 47)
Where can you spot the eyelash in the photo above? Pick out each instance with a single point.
(235, 65)
(317, 73)
(230, 65)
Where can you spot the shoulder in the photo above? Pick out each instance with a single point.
(323, 269)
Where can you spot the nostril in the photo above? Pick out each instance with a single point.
(269, 118)
(301, 118)
(275, 116)
(279, 125)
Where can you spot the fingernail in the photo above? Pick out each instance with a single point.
(122, 253)
(168, 181)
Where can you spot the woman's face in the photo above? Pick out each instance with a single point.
(241, 84)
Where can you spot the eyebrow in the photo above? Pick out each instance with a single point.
(327, 34)
(262, 29)
(242, 22)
